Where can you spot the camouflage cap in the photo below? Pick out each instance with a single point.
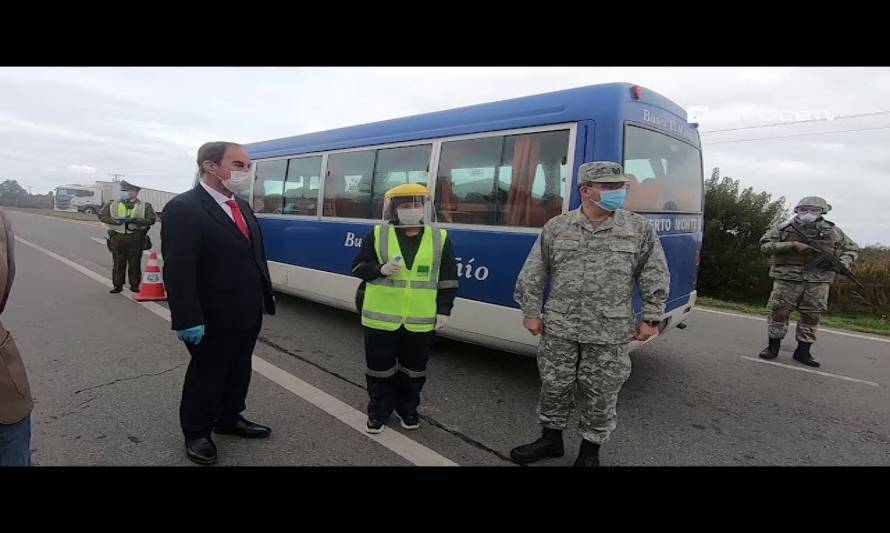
(601, 172)
(814, 201)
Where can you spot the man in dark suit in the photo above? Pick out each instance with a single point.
(218, 287)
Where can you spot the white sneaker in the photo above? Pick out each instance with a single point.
(374, 426)
(409, 422)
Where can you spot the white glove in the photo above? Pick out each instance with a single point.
(390, 268)
(441, 320)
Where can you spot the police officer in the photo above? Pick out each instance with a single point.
(409, 284)
(128, 220)
(591, 258)
(794, 285)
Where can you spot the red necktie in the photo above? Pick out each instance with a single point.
(239, 218)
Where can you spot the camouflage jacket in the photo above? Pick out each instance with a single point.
(591, 275)
(778, 240)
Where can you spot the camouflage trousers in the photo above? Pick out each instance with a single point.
(809, 299)
(593, 373)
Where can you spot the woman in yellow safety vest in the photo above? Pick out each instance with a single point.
(409, 284)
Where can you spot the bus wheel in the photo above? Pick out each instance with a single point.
(89, 211)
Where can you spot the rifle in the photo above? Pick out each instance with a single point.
(824, 256)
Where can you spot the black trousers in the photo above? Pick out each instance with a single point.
(396, 370)
(126, 253)
(217, 380)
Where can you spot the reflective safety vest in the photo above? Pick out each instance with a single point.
(120, 208)
(409, 297)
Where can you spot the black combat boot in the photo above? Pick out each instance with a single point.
(589, 454)
(802, 354)
(549, 445)
(771, 351)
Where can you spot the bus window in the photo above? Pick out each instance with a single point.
(531, 177)
(301, 186)
(267, 188)
(397, 166)
(667, 172)
(466, 180)
(347, 187)
(516, 180)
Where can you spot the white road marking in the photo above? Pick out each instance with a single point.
(393, 440)
(826, 374)
(96, 224)
(761, 319)
(398, 443)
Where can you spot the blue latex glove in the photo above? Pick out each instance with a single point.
(192, 335)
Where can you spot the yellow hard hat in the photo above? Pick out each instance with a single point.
(408, 189)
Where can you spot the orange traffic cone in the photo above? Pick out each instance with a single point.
(152, 288)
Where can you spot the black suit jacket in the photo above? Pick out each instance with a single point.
(213, 275)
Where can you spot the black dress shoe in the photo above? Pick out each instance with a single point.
(244, 428)
(201, 450)
(116, 290)
(134, 288)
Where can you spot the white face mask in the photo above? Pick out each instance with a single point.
(238, 182)
(807, 218)
(410, 217)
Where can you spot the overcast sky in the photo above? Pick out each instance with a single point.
(72, 125)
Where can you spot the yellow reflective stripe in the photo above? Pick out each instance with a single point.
(437, 253)
(396, 319)
(386, 282)
(383, 247)
(383, 317)
(382, 373)
(420, 320)
(412, 374)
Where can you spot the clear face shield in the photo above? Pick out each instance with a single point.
(408, 211)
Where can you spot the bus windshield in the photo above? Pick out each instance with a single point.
(667, 172)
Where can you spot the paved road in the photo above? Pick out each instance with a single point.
(107, 373)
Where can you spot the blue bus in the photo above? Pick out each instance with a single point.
(497, 172)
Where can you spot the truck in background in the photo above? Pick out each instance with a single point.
(90, 198)
(78, 198)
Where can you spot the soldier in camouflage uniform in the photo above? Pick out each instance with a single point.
(795, 286)
(591, 257)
